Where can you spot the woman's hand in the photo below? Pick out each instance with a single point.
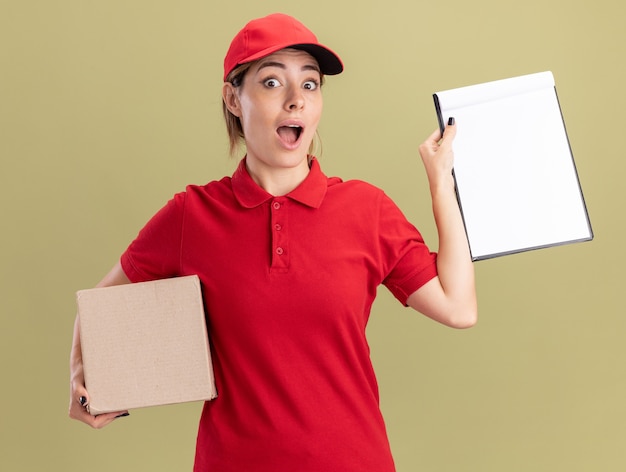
(438, 156)
(79, 405)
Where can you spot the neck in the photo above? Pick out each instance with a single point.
(277, 181)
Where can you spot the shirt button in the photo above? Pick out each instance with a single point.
(277, 227)
(279, 251)
(276, 206)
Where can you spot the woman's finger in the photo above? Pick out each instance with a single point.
(449, 132)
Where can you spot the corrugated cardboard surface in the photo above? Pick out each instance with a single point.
(145, 344)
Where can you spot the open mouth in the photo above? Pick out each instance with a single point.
(290, 133)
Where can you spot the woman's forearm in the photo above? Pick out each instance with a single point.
(450, 298)
(454, 263)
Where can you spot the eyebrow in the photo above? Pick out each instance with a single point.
(280, 65)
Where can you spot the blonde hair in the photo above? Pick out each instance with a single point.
(233, 123)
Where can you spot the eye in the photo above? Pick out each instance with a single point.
(271, 83)
(311, 85)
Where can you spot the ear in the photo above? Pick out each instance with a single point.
(231, 100)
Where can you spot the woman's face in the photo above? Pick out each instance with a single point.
(280, 106)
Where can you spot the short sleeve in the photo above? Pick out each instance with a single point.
(155, 252)
(407, 260)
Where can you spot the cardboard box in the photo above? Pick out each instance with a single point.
(145, 344)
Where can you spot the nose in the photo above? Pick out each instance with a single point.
(295, 100)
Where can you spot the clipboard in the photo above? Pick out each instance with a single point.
(516, 181)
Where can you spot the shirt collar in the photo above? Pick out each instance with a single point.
(310, 192)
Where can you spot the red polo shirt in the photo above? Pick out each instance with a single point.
(288, 285)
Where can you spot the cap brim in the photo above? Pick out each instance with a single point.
(329, 62)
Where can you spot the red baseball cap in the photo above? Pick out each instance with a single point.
(264, 36)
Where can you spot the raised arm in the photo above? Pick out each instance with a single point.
(449, 298)
(79, 397)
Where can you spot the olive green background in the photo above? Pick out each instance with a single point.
(107, 108)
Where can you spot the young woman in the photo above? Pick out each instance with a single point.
(290, 261)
